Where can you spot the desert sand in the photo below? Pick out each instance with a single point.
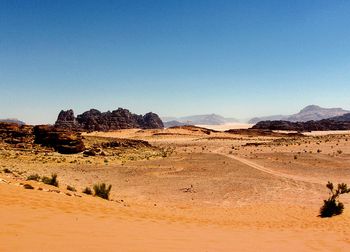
(227, 126)
(193, 191)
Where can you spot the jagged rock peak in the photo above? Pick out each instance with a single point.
(66, 120)
(94, 120)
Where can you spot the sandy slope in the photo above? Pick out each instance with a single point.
(54, 222)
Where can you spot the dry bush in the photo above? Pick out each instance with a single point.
(332, 206)
(50, 181)
(102, 190)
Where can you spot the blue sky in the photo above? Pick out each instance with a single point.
(235, 58)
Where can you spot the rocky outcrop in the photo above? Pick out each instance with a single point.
(65, 142)
(150, 121)
(322, 125)
(262, 132)
(15, 134)
(94, 120)
(66, 120)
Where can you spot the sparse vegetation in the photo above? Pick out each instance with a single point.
(6, 170)
(50, 181)
(102, 190)
(28, 186)
(332, 206)
(87, 191)
(71, 188)
(35, 177)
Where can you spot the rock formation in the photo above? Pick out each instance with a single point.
(322, 125)
(27, 136)
(65, 142)
(94, 120)
(66, 120)
(15, 134)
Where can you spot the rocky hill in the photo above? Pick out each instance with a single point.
(94, 120)
(31, 137)
(173, 123)
(343, 118)
(12, 120)
(309, 113)
(336, 123)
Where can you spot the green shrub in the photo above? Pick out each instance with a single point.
(35, 177)
(332, 206)
(71, 188)
(87, 191)
(102, 191)
(50, 181)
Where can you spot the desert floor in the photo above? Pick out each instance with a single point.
(193, 191)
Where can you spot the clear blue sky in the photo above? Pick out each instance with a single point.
(177, 57)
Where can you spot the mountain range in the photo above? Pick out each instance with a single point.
(12, 120)
(334, 123)
(309, 113)
(208, 119)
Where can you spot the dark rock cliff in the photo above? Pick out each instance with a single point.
(94, 120)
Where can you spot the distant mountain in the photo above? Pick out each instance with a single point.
(309, 113)
(12, 120)
(343, 118)
(173, 124)
(210, 119)
(267, 118)
(315, 113)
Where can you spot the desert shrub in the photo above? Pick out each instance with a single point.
(102, 191)
(35, 177)
(87, 191)
(339, 152)
(6, 170)
(332, 206)
(71, 188)
(50, 181)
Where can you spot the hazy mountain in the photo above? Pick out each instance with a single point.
(267, 118)
(316, 113)
(12, 120)
(309, 113)
(210, 119)
(173, 124)
(342, 118)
